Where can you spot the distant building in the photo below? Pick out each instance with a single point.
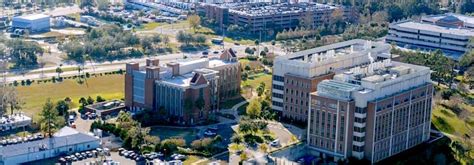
(33, 23)
(106, 108)
(371, 111)
(256, 17)
(176, 85)
(448, 32)
(296, 75)
(14, 121)
(65, 141)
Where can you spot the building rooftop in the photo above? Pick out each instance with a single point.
(33, 16)
(436, 28)
(66, 138)
(372, 77)
(267, 8)
(340, 49)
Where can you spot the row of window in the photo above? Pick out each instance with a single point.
(278, 78)
(277, 95)
(278, 104)
(279, 87)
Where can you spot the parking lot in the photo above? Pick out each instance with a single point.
(113, 156)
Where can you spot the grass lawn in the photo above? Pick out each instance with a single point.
(188, 134)
(150, 26)
(34, 96)
(447, 121)
(241, 41)
(64, 69)
(255, 79)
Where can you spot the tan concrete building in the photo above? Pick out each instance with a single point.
(371, 111)
(296, 75)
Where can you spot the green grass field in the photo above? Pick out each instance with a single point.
(255, 79)
(34, 96)
(187, 134)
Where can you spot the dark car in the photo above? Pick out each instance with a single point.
(205, 53)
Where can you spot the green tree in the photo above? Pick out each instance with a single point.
(59, 71)
(62, 108)
(49, 118)
(261, 89)
(99, 99)
(254, 109)
(90, 100)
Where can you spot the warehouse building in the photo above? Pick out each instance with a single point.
(33, 23)
(65, 141)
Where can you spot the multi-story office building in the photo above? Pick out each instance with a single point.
(256, 17)
(448, 32)
(296, 75)
(371, 111)
(188, 91)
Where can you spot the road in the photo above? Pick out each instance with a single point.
(100, 67)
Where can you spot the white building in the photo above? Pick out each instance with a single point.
(14, 121)
(65, 141)
(33, 23)
(448, 32)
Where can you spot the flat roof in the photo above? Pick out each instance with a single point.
(181, 80)
(435, 28)
(33, 16)
(56, 141)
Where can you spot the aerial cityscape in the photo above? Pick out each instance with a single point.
(217, 82)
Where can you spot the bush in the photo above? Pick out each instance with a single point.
(446, 94)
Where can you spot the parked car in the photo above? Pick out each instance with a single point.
(178, 157)
(275, 143)
(209, 133)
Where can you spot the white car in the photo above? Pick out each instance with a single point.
(209, 133)
(275, 143)
(178, 157)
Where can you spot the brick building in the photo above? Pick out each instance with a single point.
(176, 86)
(296, 75)
(371, 111)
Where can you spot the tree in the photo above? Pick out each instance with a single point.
(194, 21)
(90, 100)
(261, 89)
(263, 147)
(83, 101)
(49, 119)
(380, 17)
(254, 109)
(200, 39)
(100, 99)
(9, 98)
(59, 71)
(62, 108)
(337, 16)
